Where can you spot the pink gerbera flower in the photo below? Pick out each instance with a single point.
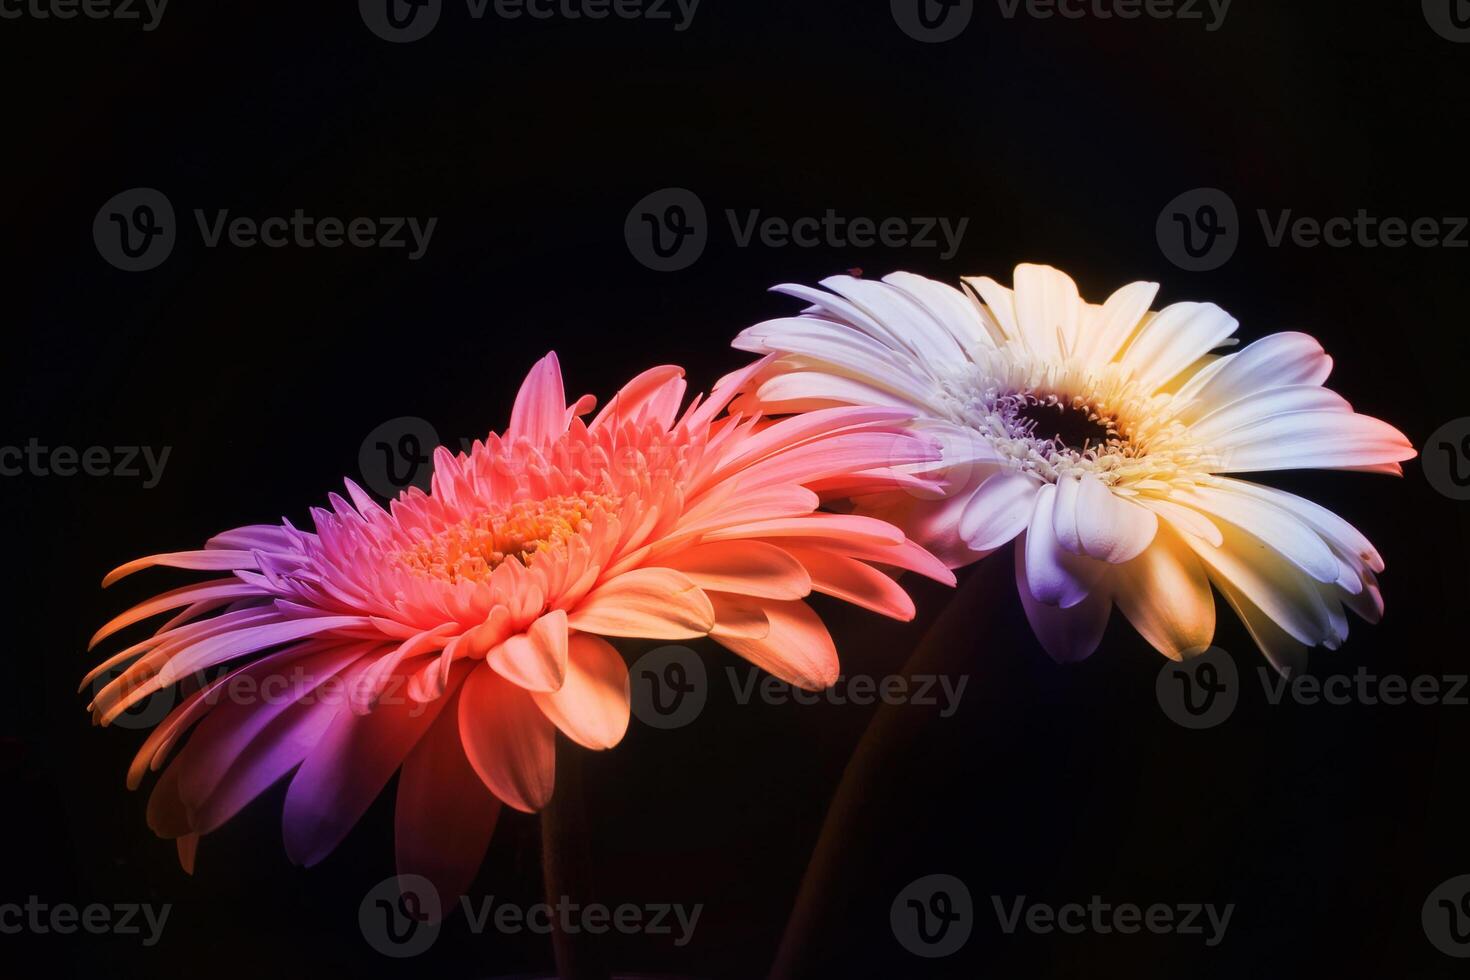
(452, 634)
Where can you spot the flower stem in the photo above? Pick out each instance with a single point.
(565, 867)
(852, 825)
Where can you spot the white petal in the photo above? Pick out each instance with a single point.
(1048, 310)
(1054, 576)
(915, 328)
(1067, 635)
(1287, 535)
(950, 307)
(1311, 440)
(1108, 327)
(1184, 518)
(1112, 528)
(1266, 405)
(998, 511)
(1285, 594)
(1064, 515)
(1175, 338)
(1345, 539)
(1271, 362)
(999, 301)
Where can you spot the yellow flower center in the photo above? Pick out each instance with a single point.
(470, 550)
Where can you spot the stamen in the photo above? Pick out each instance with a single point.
(475, 547)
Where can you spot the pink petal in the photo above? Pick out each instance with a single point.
(540, 410)
(444, 816)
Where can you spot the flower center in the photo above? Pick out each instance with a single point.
(1066, 426)
(470, 550)
(1056, 419)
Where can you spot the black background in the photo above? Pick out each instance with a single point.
(1326, 826)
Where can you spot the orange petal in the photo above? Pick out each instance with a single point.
(797, 649)
(738, 615)
(537, 658)
(752, 568)
(591, 708)
(509, 742)
(652, 603)
(853, 581)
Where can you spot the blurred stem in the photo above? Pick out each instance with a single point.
(852, 826)
(566, 867)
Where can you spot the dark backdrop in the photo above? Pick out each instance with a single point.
(1061, 140)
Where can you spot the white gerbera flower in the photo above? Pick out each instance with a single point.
(1096, 437)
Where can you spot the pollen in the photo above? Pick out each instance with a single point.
(470, 550)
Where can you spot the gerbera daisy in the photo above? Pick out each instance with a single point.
(451, 634)
(1097, 437)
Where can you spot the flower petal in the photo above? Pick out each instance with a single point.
(651, 603)
(748, 567)
(444, 815)
(1109, 527)
(591, 708)
(798, 648)
(1067, 635)
(998, 511)
(507, 739)
(537, 658)
(1165, 594)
